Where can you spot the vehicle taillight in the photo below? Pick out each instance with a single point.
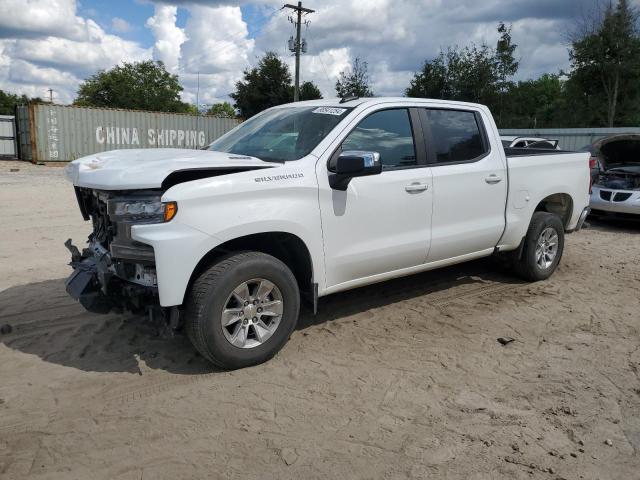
(593, 162)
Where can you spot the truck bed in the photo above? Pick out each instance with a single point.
(537, 174)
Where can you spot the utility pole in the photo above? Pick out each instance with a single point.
(50, 95)
(298, 9)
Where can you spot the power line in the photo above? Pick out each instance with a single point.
(324, 68)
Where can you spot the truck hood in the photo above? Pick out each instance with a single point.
(148, 168)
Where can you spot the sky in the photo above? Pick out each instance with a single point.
(209, 43)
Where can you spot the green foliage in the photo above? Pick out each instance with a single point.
(506, 67)
(264, 86)
(268, 85)
(602, 88)
(140, 86)
(8, 102)
(309, 91)
(506, 64)
(191, 109)
(533, 103)
(468, 74)
(222, 109)
(476, 74)
(354, 82)
(605, 69)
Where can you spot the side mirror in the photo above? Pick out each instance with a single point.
(352, 163)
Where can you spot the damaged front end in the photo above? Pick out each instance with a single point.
(114, 272)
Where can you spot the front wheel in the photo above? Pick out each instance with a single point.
(242, 310)
(543, 247)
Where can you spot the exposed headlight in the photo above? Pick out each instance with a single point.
(150, 210)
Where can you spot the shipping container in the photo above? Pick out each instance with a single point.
(7, 137)
(53, 133)
(569, 138)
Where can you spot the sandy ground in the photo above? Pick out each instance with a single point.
(399, 380)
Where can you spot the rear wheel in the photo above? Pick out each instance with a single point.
(242, 310)
(543, 247)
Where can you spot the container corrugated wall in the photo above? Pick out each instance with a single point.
(64, 133)
(24, 133)
(7, 137)
(570, 138)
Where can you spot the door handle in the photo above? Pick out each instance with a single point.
(416, 187)
(493, 179)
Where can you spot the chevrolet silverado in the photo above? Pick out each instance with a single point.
(308, 199)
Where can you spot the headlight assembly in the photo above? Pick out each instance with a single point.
(142, 209)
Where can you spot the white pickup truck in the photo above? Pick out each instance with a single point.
(309, 199)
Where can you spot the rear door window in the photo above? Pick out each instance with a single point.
(456, 136)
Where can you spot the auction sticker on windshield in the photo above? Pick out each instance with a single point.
(330, 110)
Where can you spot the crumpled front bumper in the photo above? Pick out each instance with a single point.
(177, 250)
(96, 284)
(86, 283)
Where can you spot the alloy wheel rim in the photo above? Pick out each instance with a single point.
(547, 248)
(252, 313)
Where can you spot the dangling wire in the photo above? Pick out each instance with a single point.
(324, 68)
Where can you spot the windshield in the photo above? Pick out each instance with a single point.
(281, 134)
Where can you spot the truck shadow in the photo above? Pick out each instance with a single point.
(428, 285)
(47, 323)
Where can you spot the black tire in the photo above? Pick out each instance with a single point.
(526, 266)
(209, 293)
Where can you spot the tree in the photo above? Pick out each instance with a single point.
(141, 86)
(506, 67)
(8, 102)
(506, 64)
(191, 109)
(605, 63)
(264, 86)
(309, 91)
(222, 109)
(267, 85)
(354, 82)
(533, 103)
(473, 74)
(467, 74)
(433, 81)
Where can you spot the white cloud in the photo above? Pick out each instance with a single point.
(46, 42)
(396, 37)
(218, 47)
(217, 40)
(25, 72)
(120, 25)
(46, 54)
(100, 50)
(322, 67)
(38, 18)
(169, 37)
